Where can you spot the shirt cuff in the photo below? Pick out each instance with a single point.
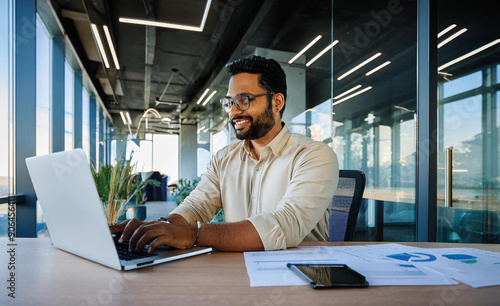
(271, 234)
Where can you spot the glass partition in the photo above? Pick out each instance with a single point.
(374, 103)
(468, 180)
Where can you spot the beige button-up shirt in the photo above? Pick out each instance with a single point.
(286, 194)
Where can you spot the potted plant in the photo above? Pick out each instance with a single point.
(184, 188)
(117, 185)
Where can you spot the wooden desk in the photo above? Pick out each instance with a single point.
(48, 276)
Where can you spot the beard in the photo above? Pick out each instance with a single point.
(262, 125)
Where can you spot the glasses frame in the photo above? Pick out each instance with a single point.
(231, 101)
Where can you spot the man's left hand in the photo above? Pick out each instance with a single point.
(154, 233)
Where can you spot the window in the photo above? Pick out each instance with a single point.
(5, 119)
(4, 106)
(86, 123)
(69, 106)
(462, 84)
(166, 155)
(43, 104)
(96, 144)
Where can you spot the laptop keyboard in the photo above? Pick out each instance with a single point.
(124, 254)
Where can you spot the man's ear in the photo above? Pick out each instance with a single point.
(279, 101)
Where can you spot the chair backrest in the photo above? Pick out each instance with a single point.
(345, 205)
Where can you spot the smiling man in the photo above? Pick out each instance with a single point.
(275, 187)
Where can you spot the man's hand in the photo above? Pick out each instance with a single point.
(154, 233)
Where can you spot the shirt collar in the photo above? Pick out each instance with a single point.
(276, 145)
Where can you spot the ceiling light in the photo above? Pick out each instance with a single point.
(205, 14)
(446, 30)
(305, 49)
(111, 47)
(171, 25)
(359, 66)
(203, 96)
(123, 118)
(129, 121)
(447, 40)
(100, 45)
(209, 97)
(353, 95)
(349, 91)
(378, 68)
(160, 24)
(461, 58)
(321, 53)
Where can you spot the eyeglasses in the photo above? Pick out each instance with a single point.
(242, 102)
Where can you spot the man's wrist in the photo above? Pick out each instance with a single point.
(164, 220)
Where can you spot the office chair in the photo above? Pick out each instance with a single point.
(345, 205)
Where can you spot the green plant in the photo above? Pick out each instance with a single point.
(218, 217)
(184, 188)
(117, 185)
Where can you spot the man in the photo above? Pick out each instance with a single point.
(275, 188)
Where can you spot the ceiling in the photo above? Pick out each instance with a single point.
(176, 66)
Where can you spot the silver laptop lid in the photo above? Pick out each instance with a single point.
(71, 206)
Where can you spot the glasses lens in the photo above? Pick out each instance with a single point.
(226, 104)
(242, 102)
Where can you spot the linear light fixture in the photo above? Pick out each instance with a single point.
(305, 49)
(171, 25)
(129, 121)
(359, 66)
(111, 47)
(123, 118)
(209, 97)
(347, 92)
(377, 68)
(203, 95)
(353, 95)
(205, 14)
(321, 53)
(446, 30)
(447, 40)
(474, 52)
(100, 45)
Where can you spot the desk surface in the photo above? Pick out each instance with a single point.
(48, 276)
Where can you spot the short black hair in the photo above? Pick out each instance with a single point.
(271, 75)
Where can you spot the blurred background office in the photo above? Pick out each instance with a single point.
(405, 90)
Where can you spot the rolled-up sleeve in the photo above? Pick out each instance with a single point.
(305, 204)
(205, 200)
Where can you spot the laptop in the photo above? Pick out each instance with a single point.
(75, 217)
